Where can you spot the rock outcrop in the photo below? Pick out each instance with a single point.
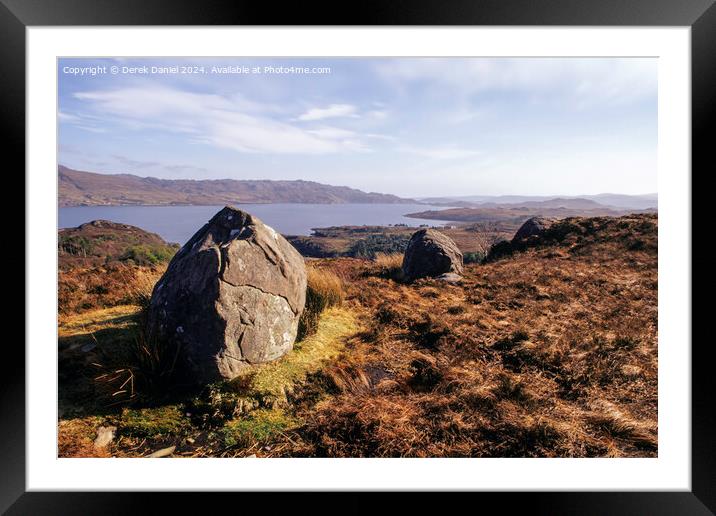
(431, 254)
(533, 227)
(231, 296)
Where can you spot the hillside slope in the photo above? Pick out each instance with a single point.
(549, 350)
(104, 264)
(77, 188)
(102, 241)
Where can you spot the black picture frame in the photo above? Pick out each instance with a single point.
(700, 15)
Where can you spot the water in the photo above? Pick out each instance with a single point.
(179, 223)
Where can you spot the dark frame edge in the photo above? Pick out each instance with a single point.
(703, 126)
(12, 395)
(702, 499)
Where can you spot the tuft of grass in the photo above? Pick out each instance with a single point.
(153, 422)
(389, 265)
(140, 291)
(258, 427)
(147, 367)
(620, 424)
(324, 290)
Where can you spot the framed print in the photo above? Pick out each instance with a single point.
(440, 249)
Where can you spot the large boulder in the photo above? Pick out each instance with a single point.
(533, 227)
(230, 297)
(431, 254)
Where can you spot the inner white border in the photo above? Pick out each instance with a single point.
(670, 471)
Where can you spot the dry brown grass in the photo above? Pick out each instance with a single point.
(324, 290)
(75, 438)
(389, 265)
(550, 352)
(82, 289)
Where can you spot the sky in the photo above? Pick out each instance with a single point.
(414, 127)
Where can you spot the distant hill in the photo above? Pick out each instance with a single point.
(102, 242)
(557, 203)
(519, 212)
(78, 188)
(609, 200)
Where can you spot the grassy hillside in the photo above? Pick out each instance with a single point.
(104, 263)
(549, 350)
(101, 241)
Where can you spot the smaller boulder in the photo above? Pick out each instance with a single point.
(431, 254)
(533, 227)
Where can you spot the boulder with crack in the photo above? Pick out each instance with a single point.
(230, 297)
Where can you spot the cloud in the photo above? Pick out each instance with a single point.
(332, 111)
(216, 120)
(377, 114)
(92, 129)
(579, 80)
(67, 117)
(134, 163)
(79, 121)
(333, 133)
(123, 163)
(444, 152)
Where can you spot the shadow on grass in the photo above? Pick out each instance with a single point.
(85, 357)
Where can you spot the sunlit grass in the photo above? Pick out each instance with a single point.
(275, 379)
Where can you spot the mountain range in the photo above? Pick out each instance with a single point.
(80, 188)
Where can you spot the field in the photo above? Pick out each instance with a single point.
(546, 351)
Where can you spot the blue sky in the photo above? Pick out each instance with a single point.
(413, 127)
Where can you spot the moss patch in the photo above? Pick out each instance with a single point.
(276, 379)
(260, 426)
(152, 422)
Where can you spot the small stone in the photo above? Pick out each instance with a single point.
(164, 452)
(105, 435)
(450, 277)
